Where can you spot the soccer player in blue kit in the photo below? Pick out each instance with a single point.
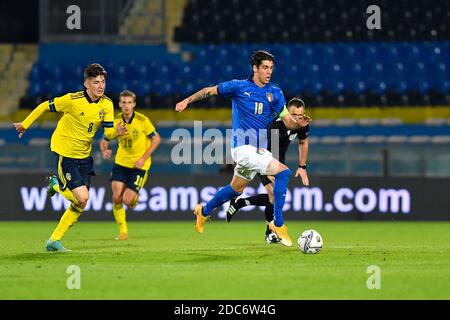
(255, 103)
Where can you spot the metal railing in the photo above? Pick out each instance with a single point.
(389, 160)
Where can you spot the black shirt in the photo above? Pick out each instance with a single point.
(285, 136)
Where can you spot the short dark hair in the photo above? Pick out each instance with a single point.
(296, 102)
(259, 56)
(128, 93)
(93, 70)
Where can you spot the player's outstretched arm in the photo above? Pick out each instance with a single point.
(114, 132)
(104, 147)
(199, 95)
(21, 127)
(294, 123)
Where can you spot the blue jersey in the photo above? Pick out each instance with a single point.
(253, 109)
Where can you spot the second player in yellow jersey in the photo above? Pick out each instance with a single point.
(132, 146)
(133, 158)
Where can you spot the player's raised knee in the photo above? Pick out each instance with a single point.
(82, 204)
(82, 199)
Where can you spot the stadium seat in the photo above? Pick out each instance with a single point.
(338, 64)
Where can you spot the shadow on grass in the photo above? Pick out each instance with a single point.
(38, 256)
(81, 251)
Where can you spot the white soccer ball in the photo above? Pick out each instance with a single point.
(310, 241)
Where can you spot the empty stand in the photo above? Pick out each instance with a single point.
(285, 21)
(351, 74)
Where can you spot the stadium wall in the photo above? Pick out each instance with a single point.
(173, 198)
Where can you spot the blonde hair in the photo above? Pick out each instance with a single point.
(128, 93)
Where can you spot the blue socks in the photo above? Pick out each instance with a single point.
(279, 193)
(222, 196)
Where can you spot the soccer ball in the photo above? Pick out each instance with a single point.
(310, 241)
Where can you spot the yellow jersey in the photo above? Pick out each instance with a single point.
(80, 120)
(131, 147)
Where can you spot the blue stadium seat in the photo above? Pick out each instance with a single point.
(396, 84)
(35, 89)
(313, 68)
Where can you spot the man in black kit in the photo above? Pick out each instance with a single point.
(296, 108)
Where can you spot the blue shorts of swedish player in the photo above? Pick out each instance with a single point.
(74, 173)
(133, 178)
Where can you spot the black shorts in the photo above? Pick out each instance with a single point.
(133, 178)
(264, 180)
(74, 173)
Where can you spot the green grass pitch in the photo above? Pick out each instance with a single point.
(168, 260)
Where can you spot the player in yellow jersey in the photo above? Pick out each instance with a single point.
(82, 113)
(133, 158)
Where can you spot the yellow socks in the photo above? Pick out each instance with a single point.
(66, 193)
(120, 216)
(67, 220)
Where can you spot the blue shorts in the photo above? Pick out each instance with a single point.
(133, 178)
(74, 173)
